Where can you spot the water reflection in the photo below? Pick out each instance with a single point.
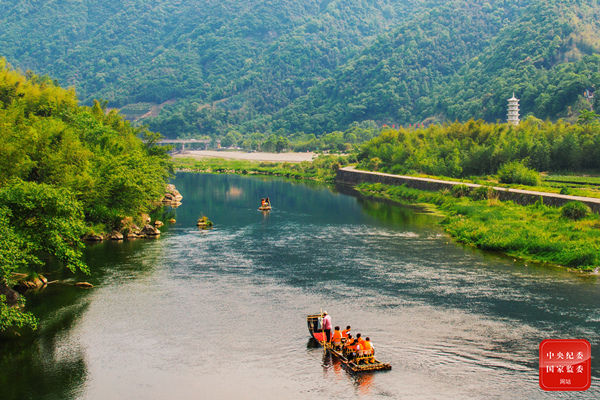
(49, 366)
(195, 311)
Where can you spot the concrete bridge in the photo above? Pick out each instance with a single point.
(179, 145)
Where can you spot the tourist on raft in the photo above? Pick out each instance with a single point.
(327, 325)
(336, 339)
(345, 332)
(356, 347)
(367, 348)
(349, 342)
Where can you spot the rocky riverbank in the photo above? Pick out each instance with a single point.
(141, 227)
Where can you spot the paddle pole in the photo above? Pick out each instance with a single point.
(323, 330)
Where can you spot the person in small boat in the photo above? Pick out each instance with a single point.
(356, 347)
(263, 202)
(345, 333)
(336, 339)
(327, 325)
(368, 349)
(359, 338)
(349, 342)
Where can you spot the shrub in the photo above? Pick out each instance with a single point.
(579, 257)
(482, 193)
(459, 190)
(516, 172)
(374, 164)
(575, 210)
(565, 190)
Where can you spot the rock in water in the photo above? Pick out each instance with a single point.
(204, 222)
(12, 296)
(158, 223)
(172, 196)
(92, 237)
(150, 230)
(115, 235)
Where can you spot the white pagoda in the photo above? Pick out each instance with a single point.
(513, 110)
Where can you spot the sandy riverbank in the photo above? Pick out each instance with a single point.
(241, 155)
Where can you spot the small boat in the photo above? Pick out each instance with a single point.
(265, 204)
(358, 364)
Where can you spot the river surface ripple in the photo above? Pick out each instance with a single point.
(221, 313)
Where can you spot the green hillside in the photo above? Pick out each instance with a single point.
(462, 64)
(244, 58)
(395, 79)
(203, 68)
(548, 57)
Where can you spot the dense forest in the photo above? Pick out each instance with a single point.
(462, 61)
(219, 62)
(478, 148)
(312, 67)
(65, 169)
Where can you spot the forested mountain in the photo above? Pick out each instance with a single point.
(204, 67)
(461, 61)
(246, 58)
(549, 56)
(395, 78)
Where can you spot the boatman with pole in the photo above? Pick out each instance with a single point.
(327, 325)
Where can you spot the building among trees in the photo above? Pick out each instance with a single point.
(513, 110)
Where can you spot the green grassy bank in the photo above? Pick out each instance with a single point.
(321, 169)
(536, 232)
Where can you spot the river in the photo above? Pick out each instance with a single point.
(220, 314)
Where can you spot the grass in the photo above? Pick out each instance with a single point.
(578, 179)
(322, 169)
(536, 232)
(575, 185)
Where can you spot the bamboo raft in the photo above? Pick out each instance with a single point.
(355, 365)
(265, 204)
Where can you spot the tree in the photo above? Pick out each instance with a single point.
(281, 144)
(14, 255)
(588, 117)
(48, 221)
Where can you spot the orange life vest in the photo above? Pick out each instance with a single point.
(367, 345)
(337, 336)
(345, 333)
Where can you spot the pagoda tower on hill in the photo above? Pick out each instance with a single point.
(513, 110)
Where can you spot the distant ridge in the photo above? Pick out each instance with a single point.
(310, 66)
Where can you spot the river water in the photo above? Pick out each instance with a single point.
(220, 314)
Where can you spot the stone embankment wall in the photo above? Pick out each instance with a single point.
(352, 176)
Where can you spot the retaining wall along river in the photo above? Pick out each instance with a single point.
(352, 176)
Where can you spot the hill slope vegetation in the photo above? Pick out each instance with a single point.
(202, 67)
